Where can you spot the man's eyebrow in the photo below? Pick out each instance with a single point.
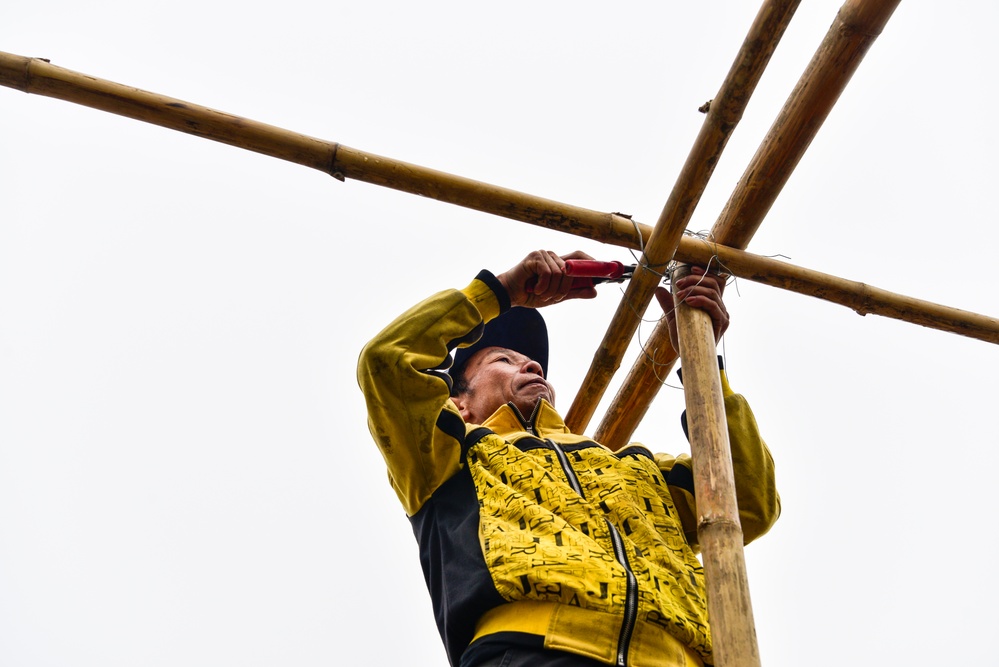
(502, 352)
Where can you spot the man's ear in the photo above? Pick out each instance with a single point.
(460, 401)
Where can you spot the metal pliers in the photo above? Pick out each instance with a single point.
(586, 272)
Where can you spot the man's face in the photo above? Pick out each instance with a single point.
(496, 375)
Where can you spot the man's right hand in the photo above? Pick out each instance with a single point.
(540, 280)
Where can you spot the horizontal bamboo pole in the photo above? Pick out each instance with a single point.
(719, 529)
(30, 74)
(604, 227)
(724, 113)
(862, 298)
(38, 76)
(657, 359)
(857, 24)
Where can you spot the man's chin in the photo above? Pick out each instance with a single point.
(534, 393)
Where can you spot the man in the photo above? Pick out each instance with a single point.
(541, 547)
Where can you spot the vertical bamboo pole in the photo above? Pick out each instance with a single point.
(719, 531)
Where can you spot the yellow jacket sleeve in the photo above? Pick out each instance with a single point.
(755, 487)
(402, 373)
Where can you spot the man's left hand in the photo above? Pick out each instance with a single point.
(699, 289)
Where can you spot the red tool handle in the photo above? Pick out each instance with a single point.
(583, 271)
(577, 283)
(593, 268)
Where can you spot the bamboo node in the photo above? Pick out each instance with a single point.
(706, 107)
(333, 170)
(865, 301)
(25, 82)
(719, 520)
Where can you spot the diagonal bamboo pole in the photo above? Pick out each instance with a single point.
(724, 113)
(857, 25)
(628, 407)
(719, 530)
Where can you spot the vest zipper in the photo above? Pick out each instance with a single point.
(631, 589)
(630, 598)
(570, 474)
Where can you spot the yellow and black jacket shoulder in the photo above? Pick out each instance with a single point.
(530, 534)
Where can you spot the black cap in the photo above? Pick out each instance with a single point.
(519, 329)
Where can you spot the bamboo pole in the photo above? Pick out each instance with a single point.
(857, 24)
(650, 370)
(38, 76)
(719, 529)
(34, 75)
(862, 298)
(724, 113)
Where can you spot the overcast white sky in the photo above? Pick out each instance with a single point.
(186, 477)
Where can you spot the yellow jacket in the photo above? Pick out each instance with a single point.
(531, 534)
